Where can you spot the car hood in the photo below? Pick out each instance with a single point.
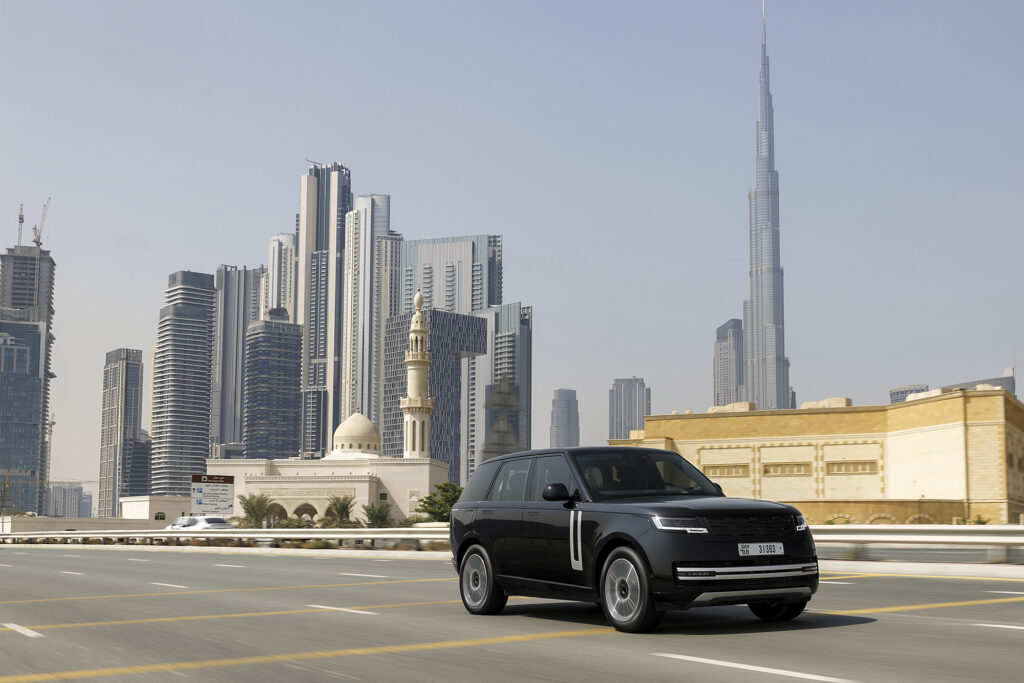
(696, 506)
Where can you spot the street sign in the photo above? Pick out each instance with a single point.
(213, 494)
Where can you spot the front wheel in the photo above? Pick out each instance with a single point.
(625, 592)
(480, 594)
(776, 610)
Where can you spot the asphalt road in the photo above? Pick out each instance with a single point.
(120, 613)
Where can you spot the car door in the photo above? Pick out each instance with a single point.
(499, 519)
(549, 526)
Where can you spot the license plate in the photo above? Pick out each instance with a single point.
(760, 549)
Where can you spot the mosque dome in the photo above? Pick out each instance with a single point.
(357, 433)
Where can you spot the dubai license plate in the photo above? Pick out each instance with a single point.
(760, 549)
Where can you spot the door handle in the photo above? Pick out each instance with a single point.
(487, 512)
(533, 513)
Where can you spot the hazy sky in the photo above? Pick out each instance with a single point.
(610, 143)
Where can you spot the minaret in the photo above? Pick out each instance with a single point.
(765, 366)
(417, 405)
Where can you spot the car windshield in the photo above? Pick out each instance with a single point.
(632, 472)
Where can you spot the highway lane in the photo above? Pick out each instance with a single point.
(94, 613)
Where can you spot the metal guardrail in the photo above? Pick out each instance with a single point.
(999, 539)
(415, 535)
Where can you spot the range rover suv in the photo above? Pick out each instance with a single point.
(637, 530)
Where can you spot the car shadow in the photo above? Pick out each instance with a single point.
(703, 621)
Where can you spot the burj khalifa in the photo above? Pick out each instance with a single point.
(765, 379)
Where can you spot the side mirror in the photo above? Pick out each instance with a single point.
(719, 487)
(556, 491)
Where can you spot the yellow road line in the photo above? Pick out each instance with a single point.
(220, 590)
(231, 615)
(932, 605)
(294, 657)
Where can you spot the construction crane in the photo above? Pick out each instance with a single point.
(37, 231)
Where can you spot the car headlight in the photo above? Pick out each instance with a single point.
(801, 523)
(689, 525)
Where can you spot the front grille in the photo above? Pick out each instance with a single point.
(763, 527)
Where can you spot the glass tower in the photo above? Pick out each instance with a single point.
(629, 401)
(273, 405)
(120, 429)
(565, 419)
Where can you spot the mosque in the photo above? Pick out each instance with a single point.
(354, 466)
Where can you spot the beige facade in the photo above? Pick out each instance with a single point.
(167, 508)
(930, 460)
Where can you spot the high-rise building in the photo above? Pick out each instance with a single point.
(899, 394)
(452, 339)
(507, 363)
(629, 401)
(238, 304)
(21, 417)
(85, 505)
(765, 366)
(273, 402)
(26, 302)
(65, 500)
(454, 274)
(280, 281)
(371, 296)
(728, 362)
(139, 477)
(325, 195)
(120, 430)
(565, 419)
(182, 375)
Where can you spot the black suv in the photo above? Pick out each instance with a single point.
(637, 530)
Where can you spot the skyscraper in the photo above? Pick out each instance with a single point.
(279, 284)
(21, 417)
(182, 373)
(452, 339)
(325, 195)
(273, 403)
(65, 500)
(26, 303)
(238, 303)
(455, 274)
(765, 366)
(565, 419)
(371, 296)
(629, 401)
(120, 430)
(728, 362)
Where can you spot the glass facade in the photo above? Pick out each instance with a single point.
(565, 419)
(120, 428)
(20, 418)
(629, 401)
(273, 402)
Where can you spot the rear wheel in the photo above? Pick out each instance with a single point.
(776, 610)
(480, 594)
(625, 592)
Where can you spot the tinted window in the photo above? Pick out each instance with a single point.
(215, 520)
(476, 487)
(620, 474)
(510, 484)
(551, 469)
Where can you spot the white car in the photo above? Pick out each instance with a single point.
(200, 523)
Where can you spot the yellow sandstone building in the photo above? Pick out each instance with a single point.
(931, 460)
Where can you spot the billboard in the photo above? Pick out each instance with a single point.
(213, 494)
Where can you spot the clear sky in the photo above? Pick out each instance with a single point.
(610, 143)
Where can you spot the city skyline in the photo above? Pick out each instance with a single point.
(867, 188)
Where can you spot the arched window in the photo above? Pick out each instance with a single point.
(423, 435)
(160, 515)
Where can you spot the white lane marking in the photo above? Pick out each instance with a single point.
(1007, 592)
(342, 609)
(169, 585)
(1016, 628)
(17, 553)
(72, 556)
(137, 559)
(748, 667)
(368, 576)
(75, 573)
(382, 560)
(24, 631)
(838, 583)
(236, 566)
(5, 565)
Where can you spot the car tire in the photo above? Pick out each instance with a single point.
(776, 610)
(480, 593)
(626, 594)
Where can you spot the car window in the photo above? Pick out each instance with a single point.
(192, 521)
(620, 474)
(476, 488)
(551, 469)
(215, 520)
(510, 483)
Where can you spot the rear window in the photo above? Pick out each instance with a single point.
(216, 520)
(476, 487)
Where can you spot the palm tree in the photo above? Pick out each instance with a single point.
(378, 515)
(256, 507)
(339, 510)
